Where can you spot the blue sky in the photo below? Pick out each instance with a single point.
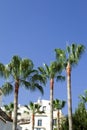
(33, 29)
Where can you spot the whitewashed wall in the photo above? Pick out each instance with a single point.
(5, 126)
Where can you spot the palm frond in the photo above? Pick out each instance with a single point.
(39, 79)
(42, 70)
(56, 67)
(14, 66)
(38, 87)
(74, 53)
(25, 83)
(32, 106)
(26, 65)
(47, 69)
(7, 88)
(58, 104)
(80, 50)
(60, 55)
(2, 70)
(44, 74)
(68, 49)
(11, 105)
(27, 107)
(60, 78)
(6, 107)
(7, 72)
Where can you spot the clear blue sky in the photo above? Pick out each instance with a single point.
(33, 29)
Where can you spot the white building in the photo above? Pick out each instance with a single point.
(42, 121)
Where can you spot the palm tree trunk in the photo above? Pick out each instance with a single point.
(51, 103)
(69, 97)
(32, 121)
(58, 120)
(15, 106)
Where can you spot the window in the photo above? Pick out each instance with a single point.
(44, 108)
(39, 123)
(54, 121)
(38, 129)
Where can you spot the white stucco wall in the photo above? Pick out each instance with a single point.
(5, 125)
(45, 117)
(45, 122)
(2, 124)
(26, 126)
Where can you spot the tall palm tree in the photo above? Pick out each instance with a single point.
(58, 105)
(20, 72)
(34, 108)
(52, 72)
(9, 109)
(69, 58)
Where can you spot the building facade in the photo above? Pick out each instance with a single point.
(42, 121)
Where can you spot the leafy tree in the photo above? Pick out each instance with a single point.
(58, 105)
(79, 119)
(69, 58)
(51, 72)
(20, 72)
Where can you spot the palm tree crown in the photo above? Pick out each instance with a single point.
(72, 54)
(52, 72)
(69, 58)
(20, 72)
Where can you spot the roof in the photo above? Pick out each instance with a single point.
(4, 116)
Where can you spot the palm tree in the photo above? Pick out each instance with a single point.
(69, 58)
(20, 72)
(34, 108)
(52, 72)
(9, 109)
(58, 105)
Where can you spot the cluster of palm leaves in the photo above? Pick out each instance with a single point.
(21, 72)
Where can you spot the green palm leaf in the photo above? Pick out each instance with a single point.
(2, 70)
(7, 88)
(60, 78)
(39, 87)
(25, 83)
